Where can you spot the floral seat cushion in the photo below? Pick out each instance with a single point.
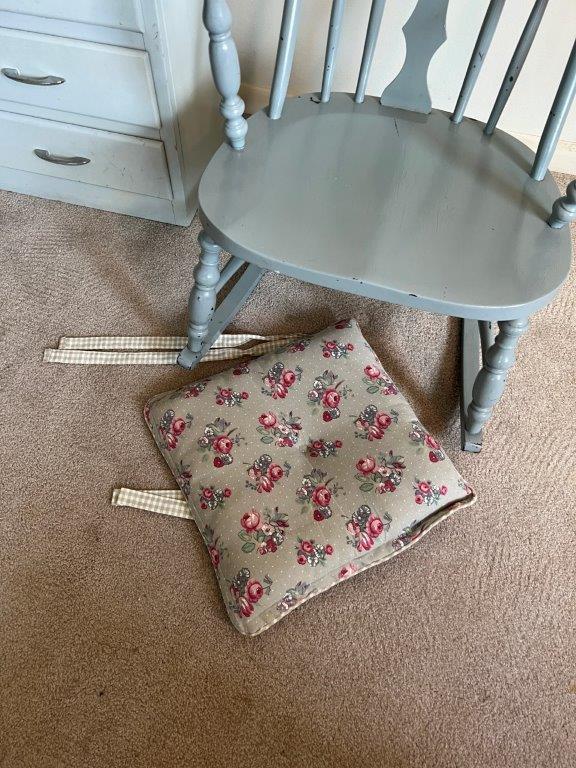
(302, 468)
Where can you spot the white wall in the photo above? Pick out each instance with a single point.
(257, 22)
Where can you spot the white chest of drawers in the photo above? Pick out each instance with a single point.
(106, 103)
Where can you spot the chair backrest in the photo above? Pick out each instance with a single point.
(424, 32)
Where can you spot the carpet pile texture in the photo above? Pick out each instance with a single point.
(115, 648)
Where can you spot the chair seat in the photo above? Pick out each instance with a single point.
(392, 205)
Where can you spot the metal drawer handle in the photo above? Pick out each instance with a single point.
(43, 154)
(14, 74)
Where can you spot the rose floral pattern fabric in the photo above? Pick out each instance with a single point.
(302, 468)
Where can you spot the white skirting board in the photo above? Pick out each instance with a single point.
(563, 160)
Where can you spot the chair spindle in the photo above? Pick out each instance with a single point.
(481, 48)
(516, 64)
(225, 70)
(372, 31)
(284, 57)
(332, 47)
(556, 119)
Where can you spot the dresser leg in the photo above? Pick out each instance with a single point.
(202, 300)
(491, 379)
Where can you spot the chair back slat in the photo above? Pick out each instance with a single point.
(556, 119)
(284, 57)
(516, 64)
(332, 47)
(478, 55)
(374, 22)
(425, 32)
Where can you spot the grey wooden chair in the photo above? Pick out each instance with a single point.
(385, 197)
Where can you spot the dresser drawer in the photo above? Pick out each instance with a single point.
(124, 14)
(117, 161)
(103, 81)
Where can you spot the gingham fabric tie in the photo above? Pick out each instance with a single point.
(156, 350)
(163, 502)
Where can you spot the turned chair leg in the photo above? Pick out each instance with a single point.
(491, 379)
(202, 300)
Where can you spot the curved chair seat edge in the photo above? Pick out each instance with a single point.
(372, 291)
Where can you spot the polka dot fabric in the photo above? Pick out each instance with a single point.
(302, 468)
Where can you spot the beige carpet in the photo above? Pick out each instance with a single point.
(114, 647)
